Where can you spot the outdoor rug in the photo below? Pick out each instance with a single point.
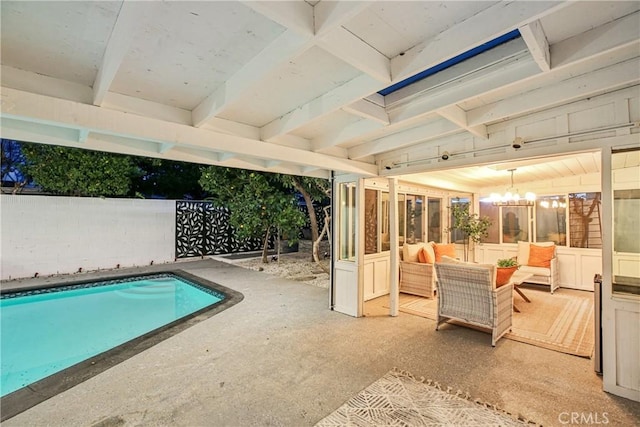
(399, 399)
(562, 322)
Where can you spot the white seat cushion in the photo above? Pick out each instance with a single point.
(536, 271)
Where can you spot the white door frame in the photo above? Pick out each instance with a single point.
(347, 290)
(620, 314)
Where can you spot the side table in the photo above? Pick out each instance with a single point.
(517, 279)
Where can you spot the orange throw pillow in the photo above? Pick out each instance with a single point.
(444, 249)
(424, 257)
(540, 256)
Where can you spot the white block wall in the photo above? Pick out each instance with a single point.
(58, 235)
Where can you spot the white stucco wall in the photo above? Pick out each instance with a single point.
(59, 235)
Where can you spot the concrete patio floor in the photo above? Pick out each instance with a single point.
(282, 358)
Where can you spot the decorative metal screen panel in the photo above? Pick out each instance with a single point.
(203, 229)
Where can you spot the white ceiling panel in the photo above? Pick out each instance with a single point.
(564, 24)
(182, 53)
(296, 82)
(328, 124)
(391, 29)
(65, 40)
(498, 175)
(303, 79)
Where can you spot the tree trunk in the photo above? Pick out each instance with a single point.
(466, 244)
(278, 244)
(18, 186)
(313, 220)
(316, 243)
(265, 247)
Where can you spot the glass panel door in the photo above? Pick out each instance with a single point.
(384, 224)
(347, 218)
(414, 207)
(551, 219)
(515, 224)
(625, 169)
(434, 212)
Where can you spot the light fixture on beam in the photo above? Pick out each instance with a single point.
(512, 197)
(442, 157)
(516, 144)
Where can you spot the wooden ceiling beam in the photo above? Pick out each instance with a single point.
(319, 107)
(127, 23)
(434, 129)
(533, 35)
(575, 88)
(482, 27)
(62, 113)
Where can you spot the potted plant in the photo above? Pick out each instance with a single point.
(473, 227)
(506, 268)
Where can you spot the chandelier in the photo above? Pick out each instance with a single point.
(512, 197)
(554, 204)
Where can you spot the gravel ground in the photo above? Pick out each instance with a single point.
(294, 265)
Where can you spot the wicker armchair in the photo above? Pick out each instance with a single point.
(417, 279)
(467, 293)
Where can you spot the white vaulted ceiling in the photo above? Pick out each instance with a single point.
(292, 86)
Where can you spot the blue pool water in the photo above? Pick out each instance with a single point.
(48, 330)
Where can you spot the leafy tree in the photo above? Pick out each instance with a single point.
(312, 190)
(260, 203)
(78, 172)
(167, 178)
(73, 171)
(471, 225)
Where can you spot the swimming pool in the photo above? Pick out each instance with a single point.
(47, 332)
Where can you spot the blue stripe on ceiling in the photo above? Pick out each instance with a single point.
(451, 62)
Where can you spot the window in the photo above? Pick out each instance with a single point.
(626, 227)
(493, 213)
(347, 221)
(434, 214)
(376, 221)
(551, 219)
(576, 215)
(509, 224)
(385, 224)
(415, 205)
(585, 221)
(626, 241)
(401, 219)
(412, 215)
(625, 180)
(515, 224)
(458, 236)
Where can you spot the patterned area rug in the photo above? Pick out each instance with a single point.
(562, 322)
(399, 399)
